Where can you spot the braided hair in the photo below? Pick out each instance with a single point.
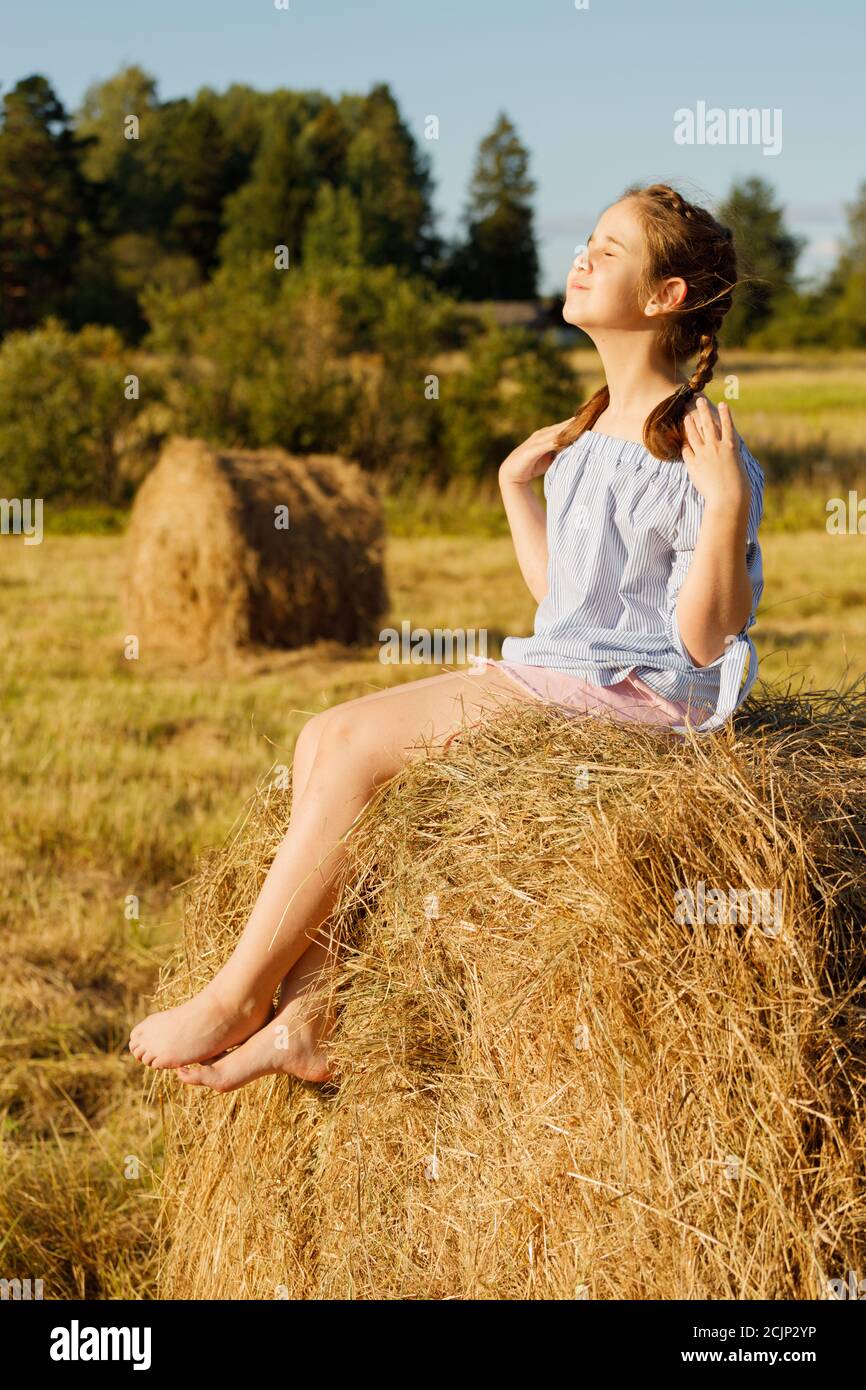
(681, 239)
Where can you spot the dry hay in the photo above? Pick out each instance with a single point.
(208, 569)
(553, 1089)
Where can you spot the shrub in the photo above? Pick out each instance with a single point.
(515, 383)
(61, 402)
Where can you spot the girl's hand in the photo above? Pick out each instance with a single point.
(534, 456)
(712, 455)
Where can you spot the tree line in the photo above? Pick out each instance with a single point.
(129, 192)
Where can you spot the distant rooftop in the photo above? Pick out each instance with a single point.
(537, 314)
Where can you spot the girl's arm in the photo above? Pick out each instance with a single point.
(526, 516)
(715, 599)
(528, 521)
(716, 596)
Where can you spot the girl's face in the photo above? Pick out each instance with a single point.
(602, 286)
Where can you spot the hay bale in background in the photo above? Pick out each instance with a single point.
(209, 569)
(547, 1086)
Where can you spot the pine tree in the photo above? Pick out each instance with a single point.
(498, 259)
(45, 204)
(766, 250)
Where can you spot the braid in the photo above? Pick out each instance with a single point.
(675, 201)
(684, 239)
(708, 354)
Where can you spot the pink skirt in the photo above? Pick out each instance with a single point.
(630, 700)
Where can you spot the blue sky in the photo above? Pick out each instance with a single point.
(592, 91)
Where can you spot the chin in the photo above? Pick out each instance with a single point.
(575, 310)
(574, 317)
(570, 311)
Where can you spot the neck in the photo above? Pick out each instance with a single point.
(638, 375)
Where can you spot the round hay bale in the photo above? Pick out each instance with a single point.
(548, 1084)
(233, 547)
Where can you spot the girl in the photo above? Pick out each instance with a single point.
(647, 571)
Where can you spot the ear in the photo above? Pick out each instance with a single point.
(669, 295)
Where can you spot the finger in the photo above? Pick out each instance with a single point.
(709, 418)
(695, 414)
(548, 432)
(691, 426)
(727, 422)
(705, 417)
(717, 421)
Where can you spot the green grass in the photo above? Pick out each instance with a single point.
(85, 519)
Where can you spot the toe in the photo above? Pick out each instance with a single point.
(222, 1076)
(198, 1074)
(235, 1068)
(191, 1074)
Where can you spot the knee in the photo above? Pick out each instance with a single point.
(307, 742)
(320, 734)
(337, 728)
(355, 744)
(325, 733)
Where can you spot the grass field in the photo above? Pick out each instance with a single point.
(118, 773)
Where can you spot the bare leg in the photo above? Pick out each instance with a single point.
(306, 1012)
(317, 954)
(295, 1037)
(360, 745)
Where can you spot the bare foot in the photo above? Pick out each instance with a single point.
(291, 1042)
(203, 1027)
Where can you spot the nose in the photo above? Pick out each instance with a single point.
(581, 257)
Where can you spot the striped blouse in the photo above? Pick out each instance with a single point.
(621, 530)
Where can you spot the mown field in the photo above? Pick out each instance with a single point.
(117, 774)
